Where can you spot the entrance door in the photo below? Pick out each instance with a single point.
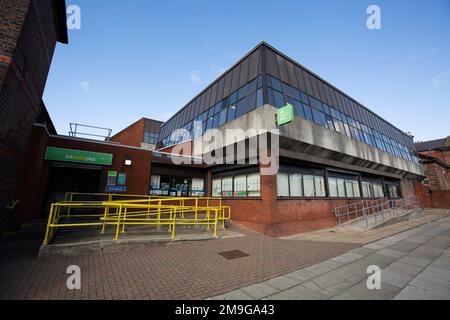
(72, 179)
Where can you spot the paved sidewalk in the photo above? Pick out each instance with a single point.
(415, 264)
(348, 234)
(173, 270)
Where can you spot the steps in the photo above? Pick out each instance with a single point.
(32, 230)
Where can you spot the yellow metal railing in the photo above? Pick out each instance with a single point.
(120, 211)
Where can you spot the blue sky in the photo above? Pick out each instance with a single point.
(143, 58)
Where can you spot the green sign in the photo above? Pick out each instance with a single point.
(112, 174)
(285, 114)
(70, 155)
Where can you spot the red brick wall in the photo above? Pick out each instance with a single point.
(440, 199)
(131, 136)
(27, 43)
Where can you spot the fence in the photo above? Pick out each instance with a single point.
(120, 211)
(376, 210)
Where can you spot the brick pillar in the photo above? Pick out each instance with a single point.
(269, 201)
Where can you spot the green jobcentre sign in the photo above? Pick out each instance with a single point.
(80, 156)
(285, 114)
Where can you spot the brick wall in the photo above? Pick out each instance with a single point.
(440, 199)
(27, 42)
(131, 136)
(35, 178)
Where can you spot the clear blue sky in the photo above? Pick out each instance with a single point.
(141, 58)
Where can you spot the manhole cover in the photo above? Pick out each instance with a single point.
(234, 254)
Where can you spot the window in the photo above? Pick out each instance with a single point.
(223, 117)
(274, 83)
(231, 113)
(343, 186)
(217, 187)
(308, 113)
(298, 108)
(248, 88)
(291, 91)
(245, 105)
(282, 184)
(319, 118)
(276, 98)
(259, 98)
(308, 185)
(319, 185)
(242, 185)
(332, 187)
(295, 185)
(316, 104)
(253, 185)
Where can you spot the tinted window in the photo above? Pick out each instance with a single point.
(274, 83)
(245, 105)
(231, 113)
(308, 113)
(298, 108)
(259, 98)
(276, 99)
(304, 97)
(245, 90)
(223, 117)
(291, 91)
(316, 104)
(319, 118)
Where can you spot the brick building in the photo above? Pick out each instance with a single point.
(29, 31)
(435, 157)
(143, 133)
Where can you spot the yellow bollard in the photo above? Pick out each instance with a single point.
(49, 222)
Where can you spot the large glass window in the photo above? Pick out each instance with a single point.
(343, 186)
(308, 185)
(242, 185)
(295, 184)
(276, 98)
(283, 184)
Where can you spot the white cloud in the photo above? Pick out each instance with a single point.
(412, 57)
(434, 50)
(437, 81)
(85, 86)
(195, 76)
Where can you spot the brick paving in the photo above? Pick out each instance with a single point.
(182, 270)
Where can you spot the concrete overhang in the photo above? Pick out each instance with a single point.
(306, 141)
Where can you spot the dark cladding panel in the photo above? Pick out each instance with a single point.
(208, 98)
(214, 94)
(235, 78)
(300, 80)
(308, 86)
(291, 74)
(272, 64)
(254, 62)
(283, 69)
(220, 84)
(328, 94)
(322, 92)
(202, 103)
(243, 76)
(227, 85)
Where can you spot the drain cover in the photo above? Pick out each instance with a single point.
(234, 254)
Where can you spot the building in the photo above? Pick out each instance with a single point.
(29, 31)
(331, 151)
(435, 157)
(143, 133)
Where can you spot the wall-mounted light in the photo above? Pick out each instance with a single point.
(128, 161)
